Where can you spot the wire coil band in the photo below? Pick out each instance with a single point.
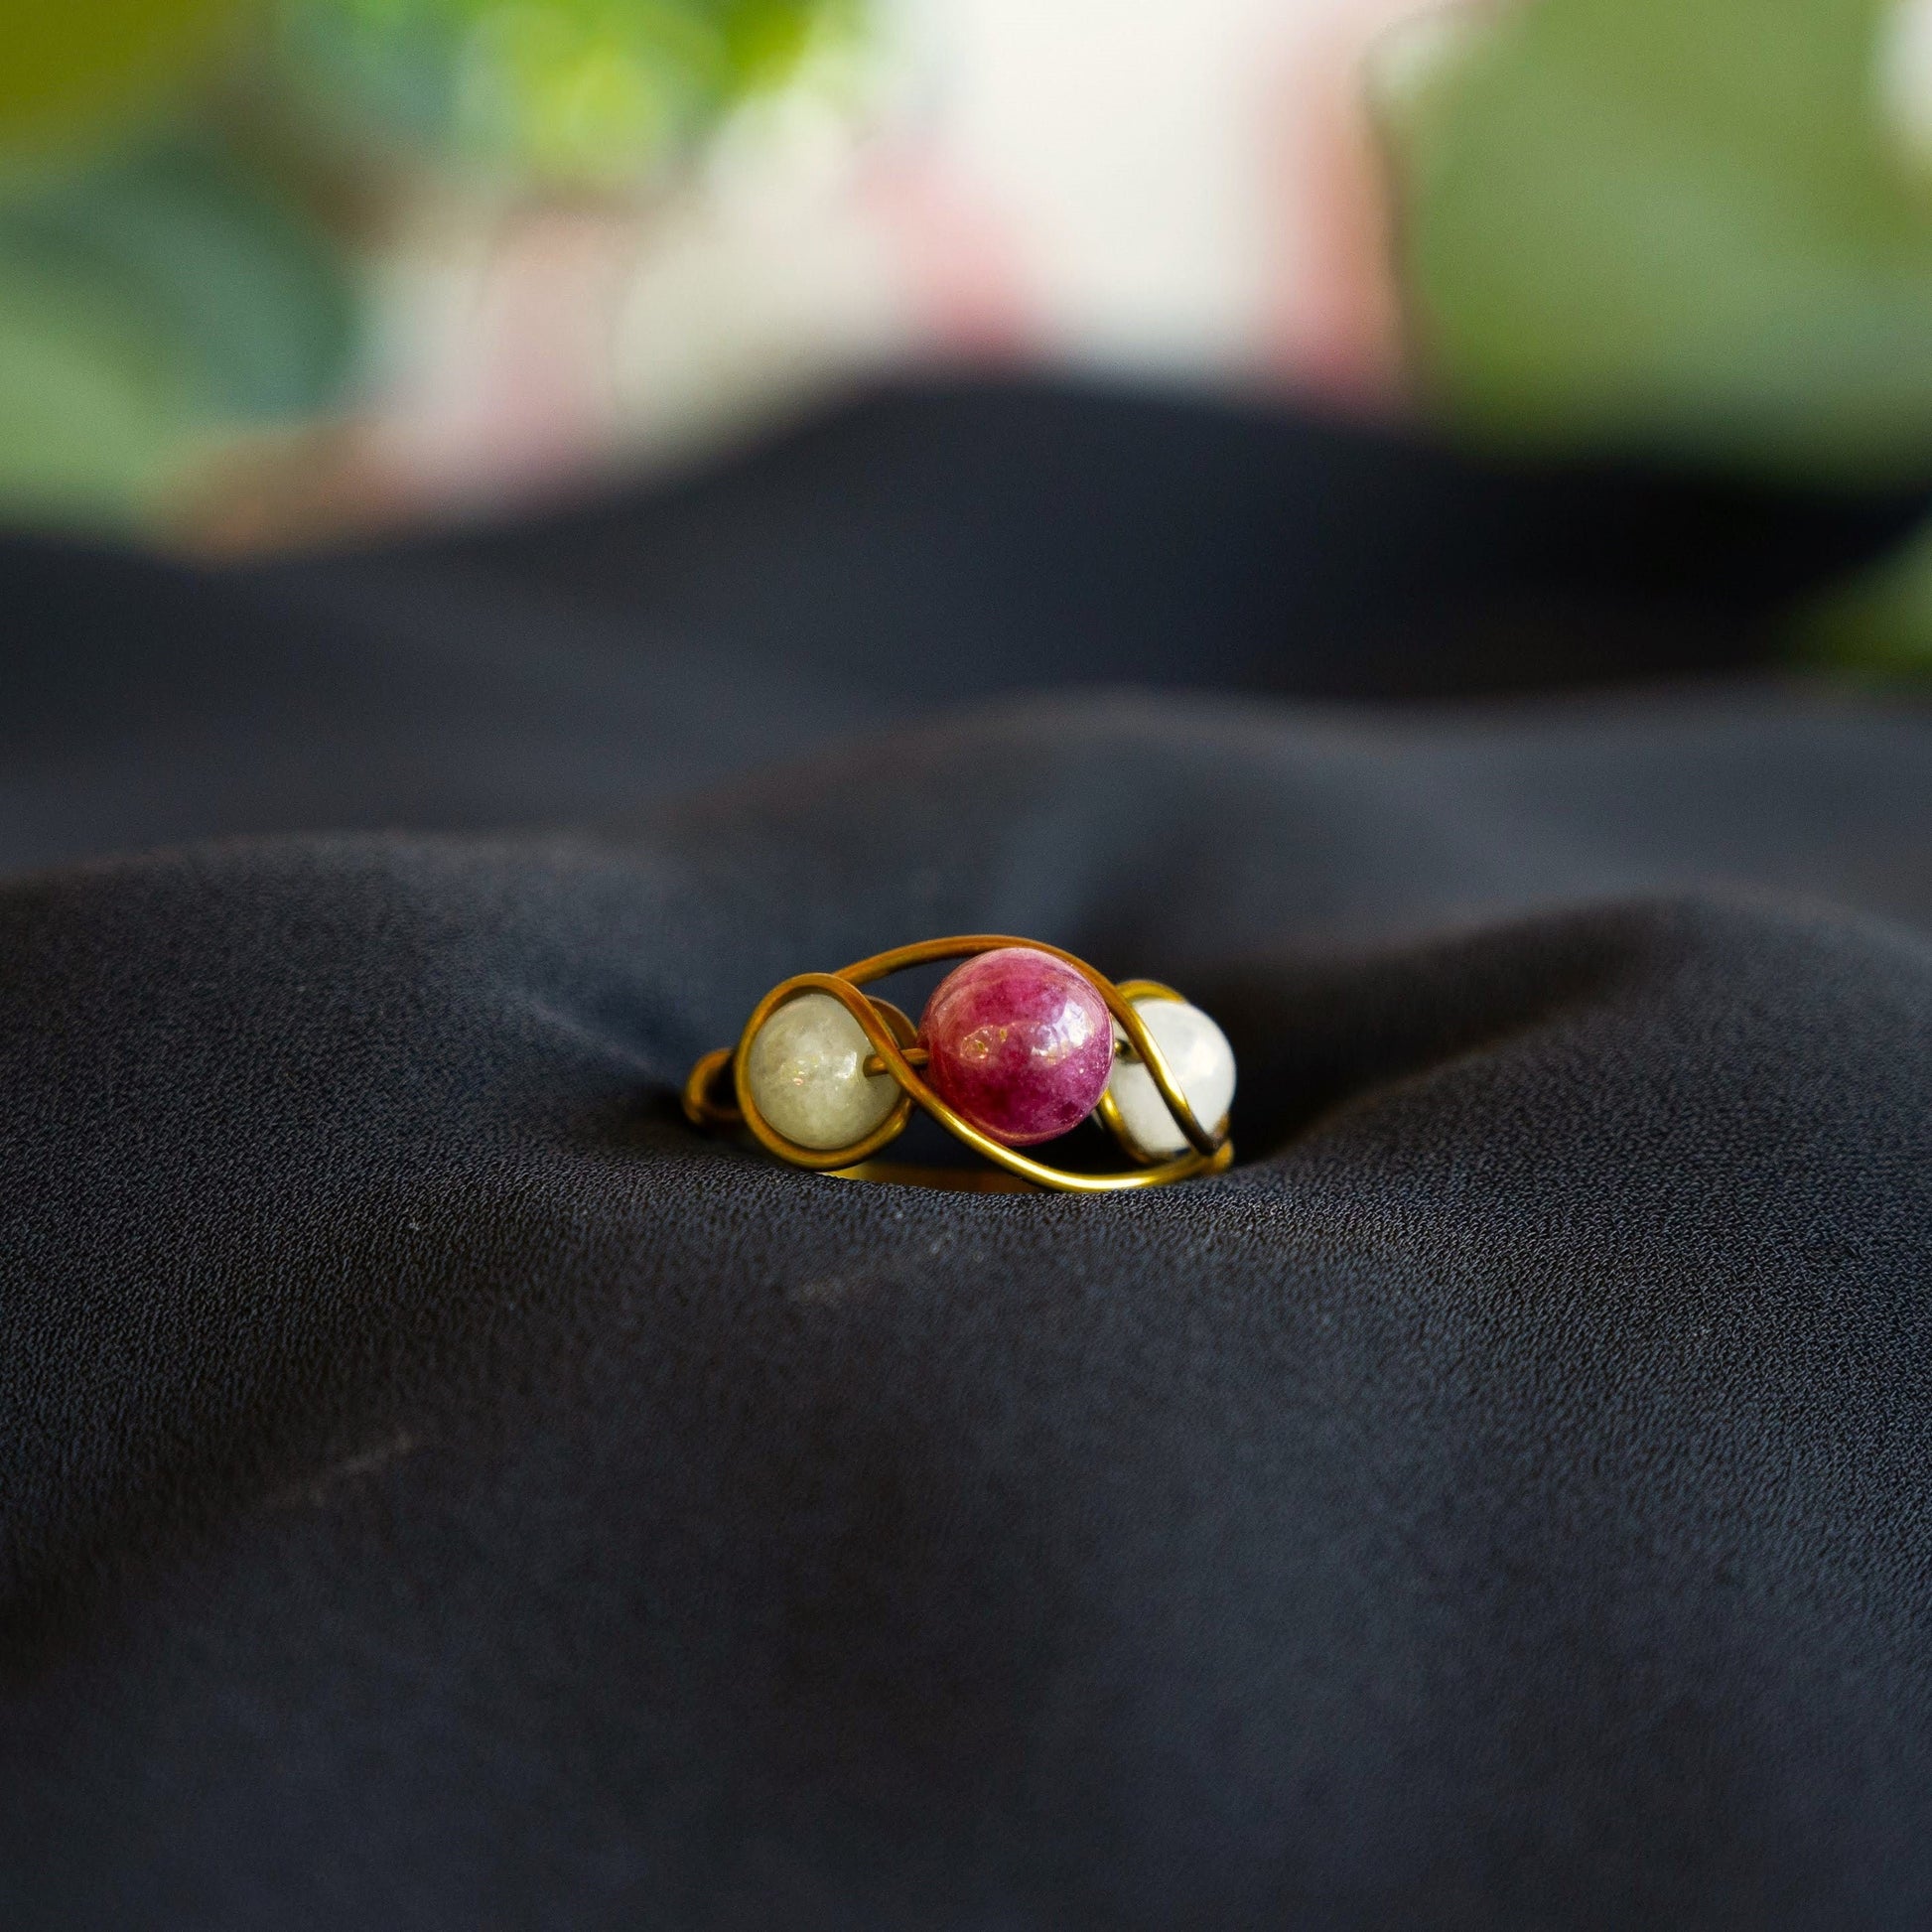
(898, 1053)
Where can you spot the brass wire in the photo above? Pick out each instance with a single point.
(893, 1038)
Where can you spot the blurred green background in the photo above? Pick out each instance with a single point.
(192, 193)
(1694, 228)
(1696, 231)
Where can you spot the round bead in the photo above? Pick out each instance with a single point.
(1020, 1044)
(806, 1071)
(1201, 1060)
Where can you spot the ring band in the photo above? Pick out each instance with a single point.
(1015, 1046)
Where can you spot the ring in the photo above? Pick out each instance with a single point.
(1017, 1044)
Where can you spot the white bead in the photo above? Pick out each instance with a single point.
(1200, 1058)
(806, 1073)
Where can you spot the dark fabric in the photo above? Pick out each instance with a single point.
(917, 548)
(441, 1491)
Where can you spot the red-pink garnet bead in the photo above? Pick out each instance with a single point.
(1020, 1044)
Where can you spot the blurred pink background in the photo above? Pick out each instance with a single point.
(1177, 189)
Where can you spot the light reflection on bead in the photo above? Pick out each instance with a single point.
(1202, 1062)
(1021, 1044)
(806, 1073)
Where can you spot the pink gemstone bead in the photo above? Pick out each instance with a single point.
(1019, 1042)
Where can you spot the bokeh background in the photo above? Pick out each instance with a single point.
(278, 273)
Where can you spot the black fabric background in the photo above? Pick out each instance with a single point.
(440, 1490)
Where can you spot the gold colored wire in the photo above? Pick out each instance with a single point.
(1107, 1107)
(892, 1036)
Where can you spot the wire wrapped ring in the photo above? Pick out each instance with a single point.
(1076, 1058)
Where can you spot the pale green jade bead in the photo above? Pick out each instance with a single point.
(1202, 1062)
(806, 1071)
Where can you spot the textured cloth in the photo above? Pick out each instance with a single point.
(916, 550)
(441, 1491)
